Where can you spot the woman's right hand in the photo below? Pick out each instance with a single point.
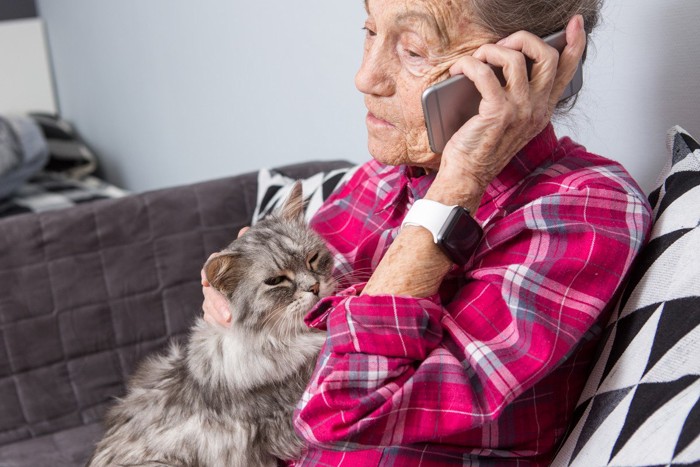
(509, 116)
(216, 306)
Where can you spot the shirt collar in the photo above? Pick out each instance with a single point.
(417, 181)
(398, 184)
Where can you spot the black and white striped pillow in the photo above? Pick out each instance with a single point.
(641, 404)
(273, 188)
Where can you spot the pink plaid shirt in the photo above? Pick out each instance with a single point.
(487, 371)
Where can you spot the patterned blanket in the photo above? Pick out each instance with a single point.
(44, 165)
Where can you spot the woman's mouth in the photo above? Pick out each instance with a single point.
(376, 121)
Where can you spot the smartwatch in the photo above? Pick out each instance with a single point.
(454, 231)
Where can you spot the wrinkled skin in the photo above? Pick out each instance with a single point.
(410, 45)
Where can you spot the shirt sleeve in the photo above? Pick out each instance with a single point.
(401, 370)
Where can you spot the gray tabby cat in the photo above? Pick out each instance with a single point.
(226, 399)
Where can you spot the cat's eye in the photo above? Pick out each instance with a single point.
(277, 280)
(312, 260)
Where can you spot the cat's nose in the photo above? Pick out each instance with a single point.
(314, 289)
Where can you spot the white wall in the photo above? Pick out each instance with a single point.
(174, 91)
(25, 76)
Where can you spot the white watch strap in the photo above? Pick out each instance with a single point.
(428, 214)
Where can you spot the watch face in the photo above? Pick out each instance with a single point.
(459, 236)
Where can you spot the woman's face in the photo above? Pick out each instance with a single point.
(409, 45)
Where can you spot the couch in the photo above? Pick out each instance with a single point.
(87, 292)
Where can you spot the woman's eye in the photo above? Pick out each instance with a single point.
(411, 51)
(275, 280)
(369, 32)
(411, 46)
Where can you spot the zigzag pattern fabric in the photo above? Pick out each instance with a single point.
(641, 403)
(273, 188)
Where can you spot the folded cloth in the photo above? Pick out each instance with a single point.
(9, 150)
(69, 155)
(23, 152)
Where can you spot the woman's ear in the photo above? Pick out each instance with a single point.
(293, 207)
(224, 272)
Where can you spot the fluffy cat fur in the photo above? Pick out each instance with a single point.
(227, 397)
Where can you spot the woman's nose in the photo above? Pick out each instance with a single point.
(375, 76)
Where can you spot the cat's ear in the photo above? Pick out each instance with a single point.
(224, 272)
(293, 207)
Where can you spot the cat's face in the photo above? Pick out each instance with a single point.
(275, 272)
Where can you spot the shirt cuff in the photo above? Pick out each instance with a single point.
(387, 325)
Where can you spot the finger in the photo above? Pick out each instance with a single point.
(212, 318)
(545, 60)
(215, 306)
(512, 64)
(483, 77)
(570, 57)
(209, 318)
(242, 231)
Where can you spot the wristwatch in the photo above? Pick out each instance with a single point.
(455, 232)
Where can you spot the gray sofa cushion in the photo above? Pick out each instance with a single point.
(86, 292)
(66, 448)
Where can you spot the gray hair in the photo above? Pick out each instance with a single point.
(540, 17)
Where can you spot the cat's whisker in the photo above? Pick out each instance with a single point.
(347, 279)
(273, 317)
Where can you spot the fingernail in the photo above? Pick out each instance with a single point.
(580, 21)
(227, 316)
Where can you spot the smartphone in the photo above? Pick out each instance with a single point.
(449, 104)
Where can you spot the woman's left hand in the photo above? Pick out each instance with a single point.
(215, 308)
(509, 116)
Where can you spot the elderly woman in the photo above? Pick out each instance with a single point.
(465, 353)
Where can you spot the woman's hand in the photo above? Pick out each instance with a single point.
(509, 116)
(215, 305)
